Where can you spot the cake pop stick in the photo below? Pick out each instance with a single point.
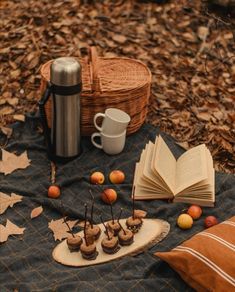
(119, 215)
(92, 207)
(85, 205)
(133, 203)
(65, 221)
(124, 231)
(106, 229)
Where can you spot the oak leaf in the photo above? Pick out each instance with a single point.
(11, 162)
(60, 229)
(9, 229)
(8, 201)
(36, 212)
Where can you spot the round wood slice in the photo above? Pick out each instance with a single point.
(151, 232)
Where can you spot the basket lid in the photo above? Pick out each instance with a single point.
(109, 74)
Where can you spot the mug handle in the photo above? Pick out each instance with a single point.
(95, 118)
(93, 140)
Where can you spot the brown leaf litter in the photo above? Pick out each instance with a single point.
(188, 48)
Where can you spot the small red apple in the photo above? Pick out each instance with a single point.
(117, 177)
(97, 178)
(210, 221)
(53, 191)
(195, 211)
(109, 196)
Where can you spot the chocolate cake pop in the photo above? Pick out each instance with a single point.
(134, 223)
(109, 244)
(74, 242)
(113, 224)
(88, 247)
(125, 236)
(89, 251)
(114, 227)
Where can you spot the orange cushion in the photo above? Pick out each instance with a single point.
(207, 260)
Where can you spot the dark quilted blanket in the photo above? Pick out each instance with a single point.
(26, 262)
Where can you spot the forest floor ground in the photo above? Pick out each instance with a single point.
(188, 48)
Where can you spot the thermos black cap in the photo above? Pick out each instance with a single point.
(66, 71)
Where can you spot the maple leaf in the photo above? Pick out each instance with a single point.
(11, 162)
(9, 229)
(60, 229)
(36, 212)
(8, 201)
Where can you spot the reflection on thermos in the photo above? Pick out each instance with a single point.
(64, 138)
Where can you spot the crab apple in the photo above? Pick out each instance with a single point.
(195, 211)
(97, 178)
(109, 196)
(53, 191)
(117, 176)
(185, 221)
(210, 221)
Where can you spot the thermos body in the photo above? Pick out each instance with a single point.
(66, 132)
(64, 138)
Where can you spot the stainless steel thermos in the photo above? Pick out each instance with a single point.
(64, 138)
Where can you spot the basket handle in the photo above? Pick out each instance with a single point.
(93, 60)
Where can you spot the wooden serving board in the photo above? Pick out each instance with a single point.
(151, 232)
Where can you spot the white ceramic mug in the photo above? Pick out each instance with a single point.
(115, 121)
(111, 144)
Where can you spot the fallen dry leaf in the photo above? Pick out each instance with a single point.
(13, 101)
(7, 131)
(3, 233)
(9, 229)
(202, 32)
(204, 116)
(191, 57)
(60, 229)
(8, 201)
(20, 118)
(7, 110)
(119, 38)
(11, 162)
(36, 212)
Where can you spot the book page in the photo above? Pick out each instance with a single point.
(148, 175)
(165, 163)
(141, 193)
(204, 188)
(143, 181)
(191, 168)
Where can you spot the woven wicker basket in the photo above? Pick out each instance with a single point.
(109, 82)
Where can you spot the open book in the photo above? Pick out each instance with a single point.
(189, 179)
